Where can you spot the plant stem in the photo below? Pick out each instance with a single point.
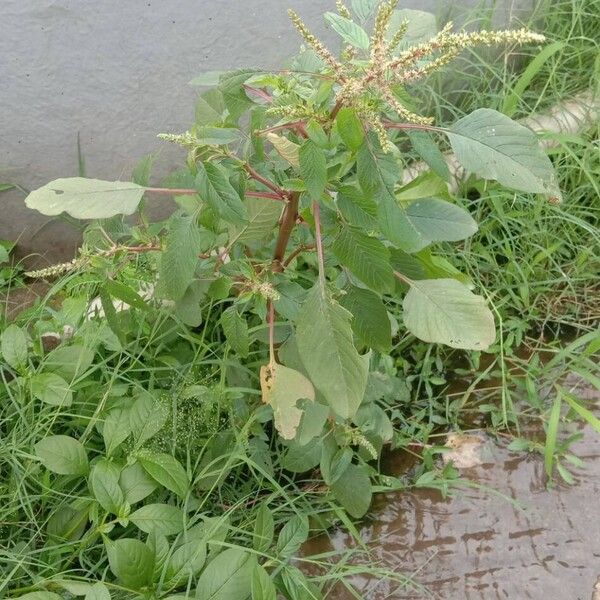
(273, 187)
(271, 320)
(299, 250)
(173, 191)
(335, 111)
(285, 230)
(269, 195)
(320, 255)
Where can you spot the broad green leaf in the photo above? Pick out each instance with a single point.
(131, 561)
(227, 576)
(51, 389)
(425, 185)
(287, 149)
(364, 8)
(188, 308)
(408, 264)
(210, 108)
(264, 528)
(180, 257)
(42, 595)
(493, 146)
(293, 534)
(282, 388)
(263, 215)
(234, 96)
(136, 483)
(166, 470)
(353, 490)
(430, 152)
(163, 519)
(141, 172)
(13, 344)
(236, 331)
(378, 173)
(358, 208)
(349, 31)
(115, 429)
(334, 464)
(263, 587)
(366, 258)
(301, 458)
(86, 198)
(324, 338)
(216, 136)
(63, 455)
(186, 561)
(313, 168)
(350, 128)
(4, 256)
(314, 416)
(440, 221)
(104, 484)
(98, 591)
(147, 417)
(444, 311)
(370, 322)
(126, 294)
(215, 188)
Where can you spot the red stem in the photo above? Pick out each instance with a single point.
(273, 187)
(320, 255)
(260, 93)
(285, 230)
(270, 195)
(271, 320)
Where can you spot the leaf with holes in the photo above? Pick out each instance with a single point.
(282, 388)
(493, 146)
(86, 198)
(444, 311)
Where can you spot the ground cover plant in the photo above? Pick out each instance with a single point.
(204, 384)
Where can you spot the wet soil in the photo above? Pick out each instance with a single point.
(480, 545)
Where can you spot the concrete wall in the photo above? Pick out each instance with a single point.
(116, 72)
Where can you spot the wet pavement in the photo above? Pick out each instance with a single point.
(480, 545)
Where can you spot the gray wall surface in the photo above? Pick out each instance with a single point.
(116, 72)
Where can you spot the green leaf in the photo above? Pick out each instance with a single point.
(349, 31)
(86, 198)
(147, 417)
(263, 587)
(235, 329)
(104, 484)
(378, 174)
(263, 215)
(187, 560)
(509, 106)
(13, 344)
(440, 221)
(216, 136)
(313, 168)
(4, 256)
(131, 561)
(136, 483)
(234, 96)
(69, 361)
(115, 429)
(583, 412)
(43, 595)
(493, 146)
(300, 458)
(126, 294)
(430, 152)
(180, 257)
(287, 149)
(292, 535)
(353, 490)
(444, 311)
(226, 577)
(282, 388)
(166, 470)
(364, 8)
(422, 26)
(63, 455)
(51, 389)
(314, 416)
(371, 323)
(366, 258)
(264, 528)
(324, 337)
(552, 434)
(350, 128)
(163, 519)
(141, 172)
(334, 464)
(215, 189)
(98, 591)
(358, 208)
(188, 308)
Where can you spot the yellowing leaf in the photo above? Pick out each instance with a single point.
(282, 388)
(286, 149)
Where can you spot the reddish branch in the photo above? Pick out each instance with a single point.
(281, 193)
(299, 250)
(285, 230)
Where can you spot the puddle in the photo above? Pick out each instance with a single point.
(478, 545)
